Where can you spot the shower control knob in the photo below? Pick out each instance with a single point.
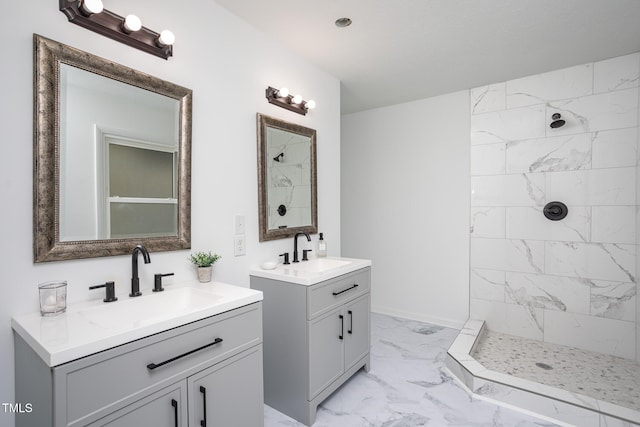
(555, 211)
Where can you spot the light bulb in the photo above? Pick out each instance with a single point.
(132, 23)
(283, 92)
(166, 38)
(310, 104)
(89, 7)
(297, 99)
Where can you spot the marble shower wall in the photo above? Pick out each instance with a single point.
(572, 281)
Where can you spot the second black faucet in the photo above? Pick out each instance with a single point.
(295, 244)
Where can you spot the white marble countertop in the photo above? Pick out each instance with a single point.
(93, 326)
(310, 272)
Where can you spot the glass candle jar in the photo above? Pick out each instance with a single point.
(53, 297)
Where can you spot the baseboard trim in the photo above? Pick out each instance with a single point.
(420, 317)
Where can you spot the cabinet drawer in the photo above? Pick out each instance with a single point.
(108, 380)
(327, 295)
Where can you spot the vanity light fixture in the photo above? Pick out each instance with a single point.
(166, 38)
(89, 7)
(131, 23)
(283, 92)
(91, 15)
(282, 98)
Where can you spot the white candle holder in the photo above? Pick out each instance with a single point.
(53, 298)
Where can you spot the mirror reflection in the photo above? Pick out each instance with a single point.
(287, 178)
(118, 159)
(112, 157)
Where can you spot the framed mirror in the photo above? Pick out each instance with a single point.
(112, 157)
(287, 177)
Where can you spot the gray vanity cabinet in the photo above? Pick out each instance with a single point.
(337, 341)
(326, 359)
(153, 381)
(165, 408)
(315, 338)
(357, 331)
(211, 397)
(225, 395)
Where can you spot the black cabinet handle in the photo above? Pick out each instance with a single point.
(341, 336)
(152, 366)
(203, 423)
(350, 331)
(355, 285)
(174, 403)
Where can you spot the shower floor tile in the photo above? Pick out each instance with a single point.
(608, 378)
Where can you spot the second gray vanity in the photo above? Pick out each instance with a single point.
(316, 330)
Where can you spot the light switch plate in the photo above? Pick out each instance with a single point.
(239, 223)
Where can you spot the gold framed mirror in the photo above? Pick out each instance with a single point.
(287, 179)
(112, 157)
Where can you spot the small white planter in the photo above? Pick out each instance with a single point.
(204, 274)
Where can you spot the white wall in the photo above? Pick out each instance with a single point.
(405, 205)
(573, 281)
(228, 65)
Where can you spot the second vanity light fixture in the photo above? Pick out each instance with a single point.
(282, 98)
(91, 15)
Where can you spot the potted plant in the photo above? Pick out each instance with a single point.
(204, 261)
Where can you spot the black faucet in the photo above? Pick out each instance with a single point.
(135, 281)
(295, 244)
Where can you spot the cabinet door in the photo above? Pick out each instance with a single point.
(228, 394)
(165, 408)
(357, 330)
(326, 345)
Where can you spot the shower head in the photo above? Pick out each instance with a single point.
(557, 121)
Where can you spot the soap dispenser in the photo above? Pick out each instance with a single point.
(322, 246)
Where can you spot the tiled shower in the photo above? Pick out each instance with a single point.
(572, 281)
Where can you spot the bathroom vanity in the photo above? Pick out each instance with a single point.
(189, 356)
(316, 329)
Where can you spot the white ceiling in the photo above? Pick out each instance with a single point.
(401, 50)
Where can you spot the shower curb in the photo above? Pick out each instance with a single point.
(559, 406)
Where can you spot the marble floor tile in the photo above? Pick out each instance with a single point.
(408, 385)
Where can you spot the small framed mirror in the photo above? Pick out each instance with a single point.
(112, 157)
(287, 177)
